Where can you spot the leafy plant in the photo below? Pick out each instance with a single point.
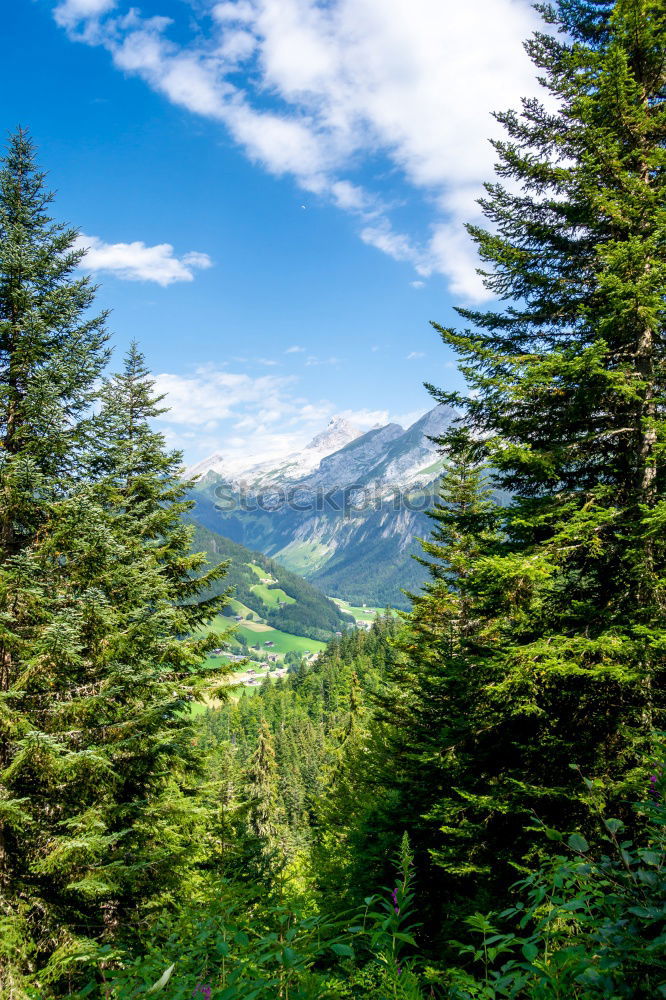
(590, 924)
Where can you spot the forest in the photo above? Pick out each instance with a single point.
(467, 800)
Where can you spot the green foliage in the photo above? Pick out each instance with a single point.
(234, 945)
(540, 640)
(145, 850)
(97, 603)
(314, 716)
(228, 945)
(589, 924)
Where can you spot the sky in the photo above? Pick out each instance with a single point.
(272, 193)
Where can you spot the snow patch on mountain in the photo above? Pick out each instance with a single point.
(335, 436)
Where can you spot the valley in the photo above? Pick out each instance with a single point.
(346, 513)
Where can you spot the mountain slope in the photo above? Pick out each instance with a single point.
(352, 523)
(275, 595)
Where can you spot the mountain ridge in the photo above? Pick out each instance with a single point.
(351, 524)
(338, 432)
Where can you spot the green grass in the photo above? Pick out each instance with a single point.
(303, 557)
(261, 573)
(271, 595)
(239, 608)
(365, 614)
(283, 642)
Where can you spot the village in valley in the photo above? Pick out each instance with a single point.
(256, 657)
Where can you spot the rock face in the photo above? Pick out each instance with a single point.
(346, 512)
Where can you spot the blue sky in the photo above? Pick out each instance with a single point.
(273, 191)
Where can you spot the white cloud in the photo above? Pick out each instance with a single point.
(417, 284)
(316, 91)
(211, 394)
(314, 362)
(396, 245)
(365, 419)
(249, 419)
(138, 262)
(413, 355)
(71, 12)
(295, 349)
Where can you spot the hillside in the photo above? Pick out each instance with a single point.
(268, 591)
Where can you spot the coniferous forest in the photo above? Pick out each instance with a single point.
(464, 801)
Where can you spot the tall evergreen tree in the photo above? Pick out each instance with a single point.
(262, 791)
(569, 383)
(98, 620)
(546, 649)
(51, 349)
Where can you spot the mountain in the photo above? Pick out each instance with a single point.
(347, 518)
(337, 434)
(269, 591)
(209, 470)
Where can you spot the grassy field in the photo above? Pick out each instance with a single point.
(365, 614)
(283, 642)
(254, 633)
(301, 557)
(271, 595)
(239, 608)
(261, 573)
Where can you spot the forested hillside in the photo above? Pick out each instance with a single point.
(464, 802)
(287, 602)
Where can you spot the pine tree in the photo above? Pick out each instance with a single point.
(569, 386)
(569, 378)
(98, 619)
(545, 649)
(51, 349)
(264, 819)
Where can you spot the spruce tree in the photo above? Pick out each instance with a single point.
(546, 649)
(262, 789)
(98, 617)
(52, 350)
(569, 384)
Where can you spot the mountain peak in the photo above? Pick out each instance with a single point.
(213, 463)
(339, 432)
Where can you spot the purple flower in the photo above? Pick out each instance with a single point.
(394, 897)
(205, 990)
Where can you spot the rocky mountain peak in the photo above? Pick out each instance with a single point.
(338, 432)
(214, 463)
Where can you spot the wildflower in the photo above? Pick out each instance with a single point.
(394, 897)
(204, 990)
(653, 787)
